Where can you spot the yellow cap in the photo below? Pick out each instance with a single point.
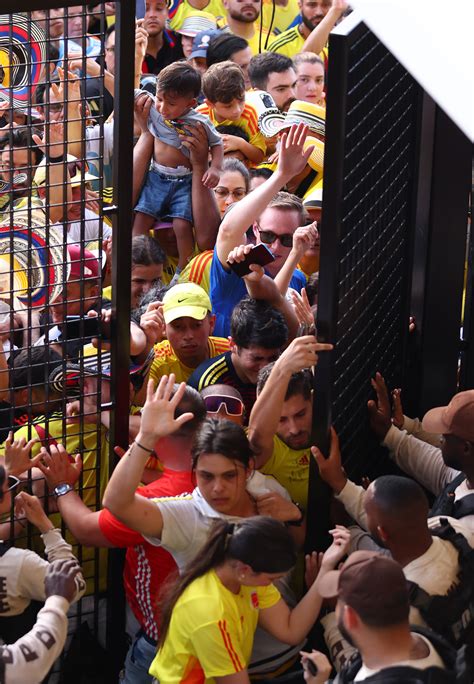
(186, 299)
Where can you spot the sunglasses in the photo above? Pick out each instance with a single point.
(12, 483)
(232, 405)
(268, 237)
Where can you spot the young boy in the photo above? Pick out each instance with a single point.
(223, 86)
(167, 189)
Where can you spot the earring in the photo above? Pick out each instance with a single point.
(241, 577)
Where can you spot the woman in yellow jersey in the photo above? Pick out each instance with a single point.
(211, 614)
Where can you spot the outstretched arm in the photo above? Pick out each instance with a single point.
(291, 162)
(291, 626)
(318, 37)
(265, 416)
(157, 421)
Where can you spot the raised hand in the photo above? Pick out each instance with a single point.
(380, 413)
(293, 157)
(302, 307)
(29, 507)
(330, 469)
(157, 418)
(305, 237)
(397, 409)
(152, 323)
(302, 353)
(338, 549)
(17, 455)
(57, 466)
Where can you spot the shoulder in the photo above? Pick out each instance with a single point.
(208, 372)
(285, 38)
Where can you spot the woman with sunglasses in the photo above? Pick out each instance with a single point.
(227, 487)
(23, 570)
(210, 615)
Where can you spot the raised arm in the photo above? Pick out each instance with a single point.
(291, 626)
(58, 469)
(206, 214)
(59, 181)
(265, 416)
(144, 148)
(157, 421)
(319, 36)
(292, 161)
(304, 238)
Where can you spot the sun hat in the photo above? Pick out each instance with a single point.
(186, 299)
(308, 113)
(314, 199)
(316, 158)
(67, 379)
(35, 257)
(22, 56)
(197, 22)
(457, 418)
(78, 172)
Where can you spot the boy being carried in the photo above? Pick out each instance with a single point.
(167, 189)
(224, 88)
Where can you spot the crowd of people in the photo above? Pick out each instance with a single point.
(210, 498)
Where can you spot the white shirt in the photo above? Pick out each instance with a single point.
(188, 518)
(432, 660)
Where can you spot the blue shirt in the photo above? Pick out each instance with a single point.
(227, 289)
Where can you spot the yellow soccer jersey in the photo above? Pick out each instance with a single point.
(214, 7)
(290, 43)
(211, 631)
(248, 122)
(283, 18)
(166, 361)
(198, 271)
(290, 467)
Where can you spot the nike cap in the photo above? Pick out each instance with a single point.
(186, 299)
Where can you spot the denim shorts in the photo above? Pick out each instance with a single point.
(166, 196)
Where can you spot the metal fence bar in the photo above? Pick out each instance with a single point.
(367, 235)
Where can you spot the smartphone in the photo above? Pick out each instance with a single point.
(76, 326)
(311, 667)
(260, 254)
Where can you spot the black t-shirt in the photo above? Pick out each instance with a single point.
(99, 106)
(171, 51)
(220, 371)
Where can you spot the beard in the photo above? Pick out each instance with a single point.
(247, 18)
(344, 632)
(308, 23)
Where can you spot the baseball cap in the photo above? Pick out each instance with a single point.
(201, 43)
(197, 22)
(78, 170)
(369, 582)
(186, 299)
(457, 418)
(83, 263)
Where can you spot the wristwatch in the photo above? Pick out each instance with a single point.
(297, 523)
(62, 489)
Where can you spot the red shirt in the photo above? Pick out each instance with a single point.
(146, 566)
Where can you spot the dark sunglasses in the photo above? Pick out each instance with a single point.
(232, 405)
(268, 237)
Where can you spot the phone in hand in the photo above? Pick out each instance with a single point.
(311, 667)
(259, 254)
(75, 327)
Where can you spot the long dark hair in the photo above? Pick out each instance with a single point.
(260, 542)
(222, 437)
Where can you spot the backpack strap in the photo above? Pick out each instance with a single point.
(463, 506)
(444, 503)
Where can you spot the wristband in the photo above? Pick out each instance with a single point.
(150, 451)
(296, 523)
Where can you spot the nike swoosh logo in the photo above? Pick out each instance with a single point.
(181, 300)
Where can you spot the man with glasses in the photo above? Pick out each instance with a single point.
(274, 216)
(224, 403)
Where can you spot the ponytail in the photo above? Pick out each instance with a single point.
(260, 542)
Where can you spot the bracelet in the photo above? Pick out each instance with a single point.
(150, 451)
(297, 523)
